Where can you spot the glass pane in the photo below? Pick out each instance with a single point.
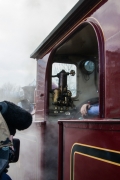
(89, 66)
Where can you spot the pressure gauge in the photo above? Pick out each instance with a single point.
(89, 66)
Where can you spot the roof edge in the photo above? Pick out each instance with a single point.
(76, 13)
(34, 54)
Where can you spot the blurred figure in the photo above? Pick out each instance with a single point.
(24, 103)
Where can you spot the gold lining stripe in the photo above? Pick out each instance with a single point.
(93, 157)
(95, 147)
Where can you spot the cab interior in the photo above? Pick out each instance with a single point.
(79, 53)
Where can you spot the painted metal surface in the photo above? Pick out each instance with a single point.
(108, 17)
(40, 89)
(91, 150)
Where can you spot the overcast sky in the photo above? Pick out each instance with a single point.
(23, 26)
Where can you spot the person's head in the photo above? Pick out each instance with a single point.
(16, 117)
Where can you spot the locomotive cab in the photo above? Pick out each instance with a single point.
(67, 77)
(74, 71)
(78, 63)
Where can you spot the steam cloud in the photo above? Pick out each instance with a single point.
(24, 25)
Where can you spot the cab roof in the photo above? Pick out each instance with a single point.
(78, 12)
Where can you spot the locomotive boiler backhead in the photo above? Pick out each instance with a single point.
(63, 80)
(61, 96)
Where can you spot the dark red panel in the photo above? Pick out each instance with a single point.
(87, 168)
(98, 138)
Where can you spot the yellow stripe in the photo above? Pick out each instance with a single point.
(110, 162)
(95, 147)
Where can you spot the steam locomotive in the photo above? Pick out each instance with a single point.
(77, 63)
(86, 45)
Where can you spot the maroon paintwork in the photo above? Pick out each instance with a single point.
(99, 134)
(40, 92)
(105, 131)
(108, 18)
